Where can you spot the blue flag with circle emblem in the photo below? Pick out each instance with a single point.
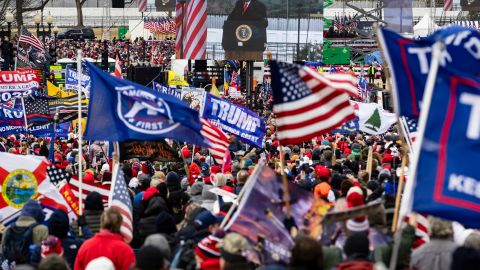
(446, 181)
(123, 110)
(409, 61)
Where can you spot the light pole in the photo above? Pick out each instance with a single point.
(49, 21)
(128, 35)
(55, 33)
(37, 19)
(9, 20)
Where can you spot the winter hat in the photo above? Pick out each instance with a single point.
(94, 201)
(149, 258)
(465, 258)
(196, 189)
(51, 245)
(33, 209)
(105, 168)
(322, 172)
(214, 169)
(205, 169)
(159, 241)
(205, 219)
(58, 224)
(103, 263)
(133, 182)
(173, 179)
(185, 152)
(208, 248)
(357, 245)
(354, 199)
(234, 248)
(321, 190)
(166, 223)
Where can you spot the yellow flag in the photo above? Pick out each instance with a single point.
(56, 92)
(175, 79)
(214, 90)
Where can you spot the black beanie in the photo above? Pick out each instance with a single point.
(357, 245)
(94, 201)
(149, 258)
(58, 224)
(166, 223)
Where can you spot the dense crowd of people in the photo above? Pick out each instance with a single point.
(176, 220)
(157, 52)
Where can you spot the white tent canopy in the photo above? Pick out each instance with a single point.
(425, 26)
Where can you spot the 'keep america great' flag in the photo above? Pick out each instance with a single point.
(447, 182)
(410, 61)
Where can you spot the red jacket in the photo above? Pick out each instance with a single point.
(106, 244)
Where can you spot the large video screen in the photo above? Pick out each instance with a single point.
(244, 27)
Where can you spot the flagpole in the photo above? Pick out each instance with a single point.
(80, 140)
(370, 162)
(285, 182)
(26, 124)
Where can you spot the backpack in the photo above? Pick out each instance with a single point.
(185, 256)
(17, 244)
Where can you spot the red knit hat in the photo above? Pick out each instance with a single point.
(51, 245)
(355, 199)
(185, 152)
(322, 171)
(208, 248)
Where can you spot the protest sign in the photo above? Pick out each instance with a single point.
(148, 150)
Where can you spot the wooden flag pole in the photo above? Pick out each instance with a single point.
(370, 162)
(399, 192)
(285, 182)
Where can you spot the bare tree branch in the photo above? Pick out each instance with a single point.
(83, 2)
(27, 9)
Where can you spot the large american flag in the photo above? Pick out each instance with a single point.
(120, 200)
(217, 138)
(192, 43)
(307, 103)
(29, 38)
(447, 5)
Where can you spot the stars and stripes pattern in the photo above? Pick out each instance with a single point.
(120, 200)
(142, 5)
(307, 103)
(37, 110)
(30, 39)
(57, 175)
(103, 189)
(421, 230)
(191, 17)
(411, 124)
(118, 68)
(447, 5)
(218, 140)
(160, 25)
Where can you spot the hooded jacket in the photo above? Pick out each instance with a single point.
(106, 244)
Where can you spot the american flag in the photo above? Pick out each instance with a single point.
(218, 140)
(142, 5)
(192, 43)
(37, 110)
(148, 24)
(421, 230)
(29, 38)
(118, 68)
(411, 127)
(447, 5)
(336, 23)
(121, 200)
(103, 189)
(57, 175)
(307, 103)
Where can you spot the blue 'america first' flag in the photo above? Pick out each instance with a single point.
(120, 199)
